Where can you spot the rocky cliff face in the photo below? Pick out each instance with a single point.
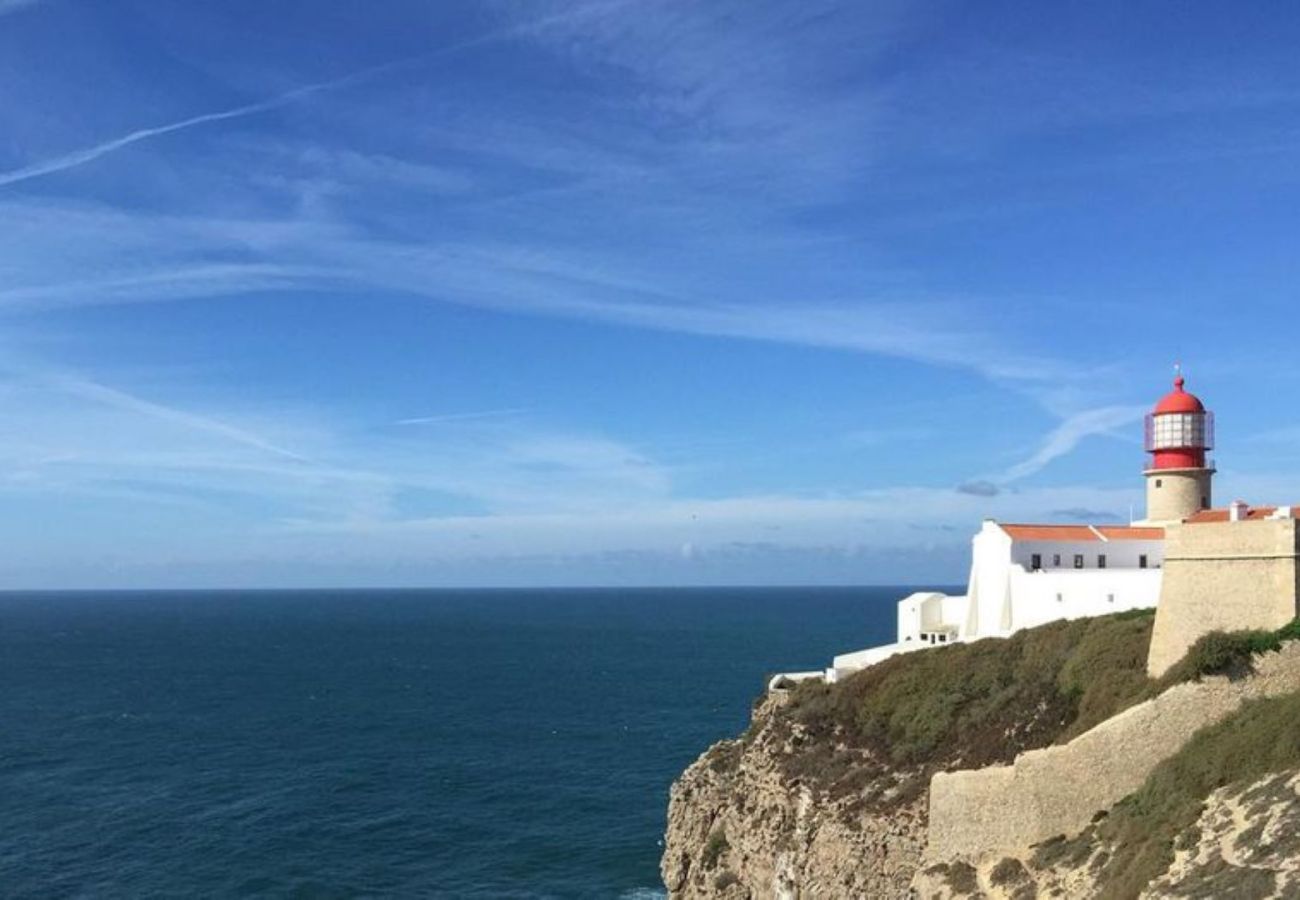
(764, 816)
(828, 793)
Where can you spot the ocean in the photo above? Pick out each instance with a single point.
(378, 743)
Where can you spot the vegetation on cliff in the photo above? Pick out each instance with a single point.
(983, 703)
(826, 790)
(1142, 832)
(969, 705)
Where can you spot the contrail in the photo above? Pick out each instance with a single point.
(89, 154)
(93, 390)
(462, 417)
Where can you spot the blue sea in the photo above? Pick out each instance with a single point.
(377, 743)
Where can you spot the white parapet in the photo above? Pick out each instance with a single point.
(782, 680)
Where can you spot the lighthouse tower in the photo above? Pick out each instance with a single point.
(1179, 432)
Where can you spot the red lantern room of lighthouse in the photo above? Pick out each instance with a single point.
(1179, 435)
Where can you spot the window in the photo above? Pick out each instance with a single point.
(1205, 503)
(1078, 560)
(1142, 561)
(1060, 597)
(1159, 482)
(1036, 561)
(1101, 560)
(1056, 560)
(1110, 598)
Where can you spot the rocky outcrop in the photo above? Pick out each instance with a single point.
(743, 822)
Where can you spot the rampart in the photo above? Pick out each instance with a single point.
(1057, 790)
(1223, 576)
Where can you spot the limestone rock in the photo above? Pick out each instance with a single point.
(741, 826)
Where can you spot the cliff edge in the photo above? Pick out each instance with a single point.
(827, 794)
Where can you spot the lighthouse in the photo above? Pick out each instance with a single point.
(1179, 433)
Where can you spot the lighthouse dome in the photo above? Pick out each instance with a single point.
(1179, 401)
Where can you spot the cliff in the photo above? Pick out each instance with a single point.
(748, 820)
(828, 792)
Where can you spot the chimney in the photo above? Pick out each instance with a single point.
(1238, 511)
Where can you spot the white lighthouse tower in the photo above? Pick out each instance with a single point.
(1179, 434)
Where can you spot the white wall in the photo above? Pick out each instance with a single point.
(1002, 600)
(1087, 592)
(988, 612)
(1119, 554)
(919, 612)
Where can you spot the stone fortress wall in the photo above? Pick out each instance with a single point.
(1057, 790)
(1224, 576)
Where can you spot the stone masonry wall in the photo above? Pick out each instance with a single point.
(1226, 576)
(1179, 493)
(1057, 790)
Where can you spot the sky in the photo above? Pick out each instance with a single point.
(625, 292)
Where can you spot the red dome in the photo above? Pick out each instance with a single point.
(1179, 401)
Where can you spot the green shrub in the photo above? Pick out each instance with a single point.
(962, 878)
(1222, 653)
(1260, 738)
(714, 848)
(725, 880)
(1008, 871)
(985, 701)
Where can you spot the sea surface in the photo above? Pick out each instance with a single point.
(377, 743)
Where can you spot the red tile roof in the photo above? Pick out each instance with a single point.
(1082, 532)
(1221, 515)
(1050, 532)
(1132, 533)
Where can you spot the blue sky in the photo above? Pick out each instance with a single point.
(627, 292)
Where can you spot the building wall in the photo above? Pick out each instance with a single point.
(1175, 494)
(1045, 596)
(919, 612)
(1058, 790)
(1223, 576)
(1005, 595)
(1120, 554)
(988, 611)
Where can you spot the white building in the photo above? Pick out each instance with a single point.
(1027, 575)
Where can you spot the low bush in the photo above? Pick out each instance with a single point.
(1142, 830)
(714, 848)
(1008, 871)
(725, 880)
(1230, 653)
(985, 701)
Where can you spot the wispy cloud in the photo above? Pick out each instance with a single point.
(80, 157)
(12, 6)
(85, 439)
(533, 280)
(1062, 440)
(1068, 434)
